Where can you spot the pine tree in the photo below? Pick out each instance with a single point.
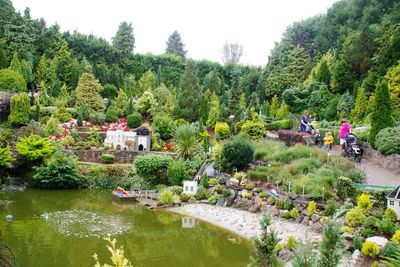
(331, 247)
(175, 45)
(15, 64)
(129, 109)
(393, 78)
(213, 82)
(265, 244)
(213, 115)
(148, 82)
(283, 111)
(236, 90)
(381, 117)
(88, 92)
(345, 105)
(360, 108)
(146, 103)
(19, 109)
(188, 95)
(121, 103)
(343, 76)
(304, 256)
(274, 107)
(124, 40)
(298, 64)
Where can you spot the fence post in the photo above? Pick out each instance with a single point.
(303, 189)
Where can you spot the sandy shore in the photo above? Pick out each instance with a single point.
(244, 223)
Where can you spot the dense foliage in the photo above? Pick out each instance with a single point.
(34, 147)
(237, 153)
(59, 171)
(12, 81)
(153, 168)
(388, 141)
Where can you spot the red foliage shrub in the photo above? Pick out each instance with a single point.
(291, 137)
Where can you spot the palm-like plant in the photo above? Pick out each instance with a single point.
(186, 143)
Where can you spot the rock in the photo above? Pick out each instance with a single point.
(274, 211)
(282, 213)
(204, 201)
(304, 212)
(347, 236)
(305, 220)
(285, 254)
(299, 219)
(380, 241)
(355, 257)
(241, 203)
(220, 202)
(231, 198)
(255, 208)
(315, 217)
(310, 223)
(317, 227)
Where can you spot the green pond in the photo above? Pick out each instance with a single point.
(65, 228)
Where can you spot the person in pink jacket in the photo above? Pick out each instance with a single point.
(345, 129)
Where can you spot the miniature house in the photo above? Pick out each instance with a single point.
(121, 140)
(393, 200)
(190, 187)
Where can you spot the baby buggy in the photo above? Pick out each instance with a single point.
(316, 137)
(352, 147)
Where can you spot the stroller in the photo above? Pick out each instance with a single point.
(352, 147)
(315, 136)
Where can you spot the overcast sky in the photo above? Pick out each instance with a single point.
(204, 25)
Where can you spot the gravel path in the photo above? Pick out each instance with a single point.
(244, 223)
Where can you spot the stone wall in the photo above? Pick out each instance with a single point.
(391, 162)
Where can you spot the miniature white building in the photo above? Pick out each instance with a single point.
(121, 140)
(190, 187)
(393, 200)
(188, 222)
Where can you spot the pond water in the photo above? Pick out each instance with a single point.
(65, 228)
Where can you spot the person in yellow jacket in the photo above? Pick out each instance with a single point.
(328, 141)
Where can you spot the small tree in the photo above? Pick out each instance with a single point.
(164, 125)
(331, 247)
(381, 117)
(152, 168)
(5, 157)
(33, 147)
(88, 91)
(265, 244)
(186, 143)
(304, 256)
(177, 172)
(121, 103)
(53, 127)
(58, 172)
(146, 103)
(19, 109)
(237, 153)
(273, 110)
(359, 111)
(111, 114)
(134, 120)
(12, 81)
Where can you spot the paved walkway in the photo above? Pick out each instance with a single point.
(376, 175)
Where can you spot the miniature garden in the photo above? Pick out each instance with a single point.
(100, 146)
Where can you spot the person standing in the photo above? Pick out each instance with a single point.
(345, 129)
(304, 122)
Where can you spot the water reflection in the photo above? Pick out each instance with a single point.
(188, 222)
